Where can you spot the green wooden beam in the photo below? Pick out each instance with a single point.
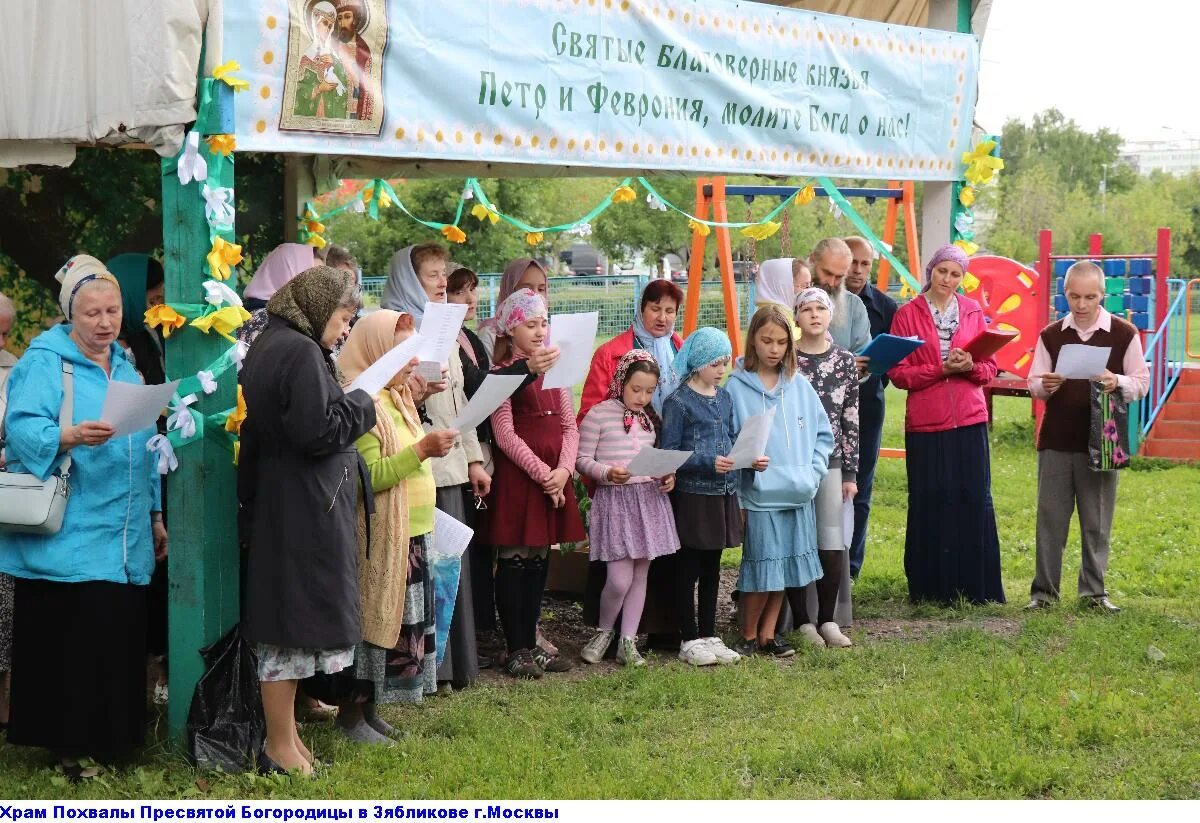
(201, 500)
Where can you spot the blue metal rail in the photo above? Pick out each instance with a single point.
(1165, 353)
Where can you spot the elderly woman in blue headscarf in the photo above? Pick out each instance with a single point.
(80, 642)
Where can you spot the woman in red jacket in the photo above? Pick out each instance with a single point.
(653, 329)
(951, 549)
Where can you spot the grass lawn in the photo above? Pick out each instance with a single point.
(972, 702)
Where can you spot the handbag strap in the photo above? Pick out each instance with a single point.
(65, 413)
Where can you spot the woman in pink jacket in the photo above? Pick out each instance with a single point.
(951, 549)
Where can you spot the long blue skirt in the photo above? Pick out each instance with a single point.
(951, 548)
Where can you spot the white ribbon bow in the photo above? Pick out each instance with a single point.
(218, 206)
(216, 293)
(167, 461)
(192, 165)
(239, 353)
(654, 203)
(357, 206)
(181, 419)
(208, 381)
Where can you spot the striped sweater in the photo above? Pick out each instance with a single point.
(604, 443)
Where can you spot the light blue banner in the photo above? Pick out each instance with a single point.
(703, 86)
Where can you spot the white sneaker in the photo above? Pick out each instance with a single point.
(697, 653)
(594, 651)
(628, 654)
(723, 653)
(809, 632)
(833, 636)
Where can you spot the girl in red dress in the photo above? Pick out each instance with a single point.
(534, 498)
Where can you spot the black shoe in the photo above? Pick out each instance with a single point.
(1103, 604)
(522, 665)
(745, 647)
(776, 648)
(266, 765)
(551, 663)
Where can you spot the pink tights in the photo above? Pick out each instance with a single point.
(624, 592)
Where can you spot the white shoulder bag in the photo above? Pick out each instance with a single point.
(27, 503)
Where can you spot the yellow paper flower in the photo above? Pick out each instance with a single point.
(316, 241)
(224, 73)
(624, 194)
(970, 282)
(222, 144)
(533, 237)
(966, 197)
(237, 451)
(368, 193)
(454, 234)
(981, 165)
(223, 321)
(806, 195)
(760, 231)
(967, 246)
(699, 228)
(222, 257)
(233, 423)
(481, 212)
(166, 317)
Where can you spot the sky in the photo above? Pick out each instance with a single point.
(1127, 66)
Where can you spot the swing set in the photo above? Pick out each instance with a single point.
(712, 196)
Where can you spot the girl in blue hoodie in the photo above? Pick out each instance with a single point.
(780, 546)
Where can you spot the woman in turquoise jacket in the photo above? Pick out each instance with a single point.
(780, 544)
(79, 641)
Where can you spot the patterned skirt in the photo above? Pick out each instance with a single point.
(632, 521)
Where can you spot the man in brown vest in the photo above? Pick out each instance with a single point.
(1065, 480)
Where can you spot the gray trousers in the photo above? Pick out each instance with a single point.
(1065, 483)
(831, 536)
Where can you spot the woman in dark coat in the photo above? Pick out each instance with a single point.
(301, 599)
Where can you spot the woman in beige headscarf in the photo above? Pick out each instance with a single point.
(395, 661)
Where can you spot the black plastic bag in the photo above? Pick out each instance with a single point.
(226, 726)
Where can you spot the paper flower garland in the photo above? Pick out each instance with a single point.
(481, 212)
(624, 194)
(164, 317)
(233, 423)
(223, 321)
(454, 234)
(222, 257)
(224, 73)
(222, 144)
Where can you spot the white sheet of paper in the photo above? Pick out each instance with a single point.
(652, 462)
(431, 370)
(131, 407)
(381, 372)
(752, 439)
(439, 329)
(495, 389)
(575, 336)
(449, 536)
(1076, 361)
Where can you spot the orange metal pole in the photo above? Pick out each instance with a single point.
(725, 255)
(691, 313)
(889, 237)
(910, 232)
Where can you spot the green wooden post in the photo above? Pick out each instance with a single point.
(201, 502)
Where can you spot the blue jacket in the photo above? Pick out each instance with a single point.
(799, 446)
(106, 532)
(704, 426)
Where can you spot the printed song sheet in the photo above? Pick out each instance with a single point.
(449, 536)
(575, 336)
(495, 389)
(131, 407)
(381, 372)
(752, 439)
(1079, 362)
(652, 462)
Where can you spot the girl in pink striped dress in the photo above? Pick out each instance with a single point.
(631, 520)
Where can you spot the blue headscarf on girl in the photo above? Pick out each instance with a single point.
(703, 346)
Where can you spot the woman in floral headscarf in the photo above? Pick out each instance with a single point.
(631, 522)
(534, 500)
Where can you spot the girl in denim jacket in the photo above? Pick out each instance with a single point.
(698, 417)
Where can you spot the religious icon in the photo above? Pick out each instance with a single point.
(335, 66)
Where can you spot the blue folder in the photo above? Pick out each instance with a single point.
(887, 350)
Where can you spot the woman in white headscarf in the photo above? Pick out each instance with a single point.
(775, 286)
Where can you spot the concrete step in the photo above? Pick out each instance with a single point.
(1180, 450)
(1167, 429)
(1185, 394)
